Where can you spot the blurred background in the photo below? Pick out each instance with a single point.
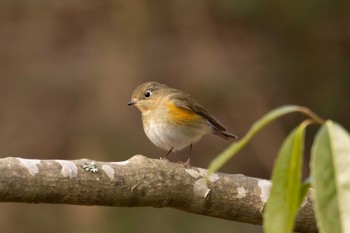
(68, 68)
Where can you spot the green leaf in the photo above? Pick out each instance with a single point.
(229, 152)
(287, 191)
(330, 172)
(235, 147)
(304, 190)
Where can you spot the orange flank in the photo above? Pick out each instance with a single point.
(182, 116)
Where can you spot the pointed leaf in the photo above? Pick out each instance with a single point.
(286, 191)
(330, 171)
(229, 152)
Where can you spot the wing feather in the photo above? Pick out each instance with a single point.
(185, 101)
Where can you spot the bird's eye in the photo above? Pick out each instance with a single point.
(147, 94)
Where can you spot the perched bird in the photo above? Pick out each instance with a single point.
(172, 119)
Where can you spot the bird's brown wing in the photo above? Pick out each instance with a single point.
(184, 100)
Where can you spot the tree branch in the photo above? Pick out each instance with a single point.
(140, 181)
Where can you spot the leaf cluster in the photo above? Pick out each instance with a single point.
(330, 173)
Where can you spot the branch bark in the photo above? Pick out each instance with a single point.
(140, 181)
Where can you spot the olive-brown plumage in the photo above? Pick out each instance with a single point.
(172, 119)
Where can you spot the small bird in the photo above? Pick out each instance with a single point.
(172, 119)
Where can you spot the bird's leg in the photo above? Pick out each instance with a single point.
(167, 154)
(188, 162)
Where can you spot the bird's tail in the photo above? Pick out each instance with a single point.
(225, 135)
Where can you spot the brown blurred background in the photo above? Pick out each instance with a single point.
(69, 67)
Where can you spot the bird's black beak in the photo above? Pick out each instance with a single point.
(131, 103)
